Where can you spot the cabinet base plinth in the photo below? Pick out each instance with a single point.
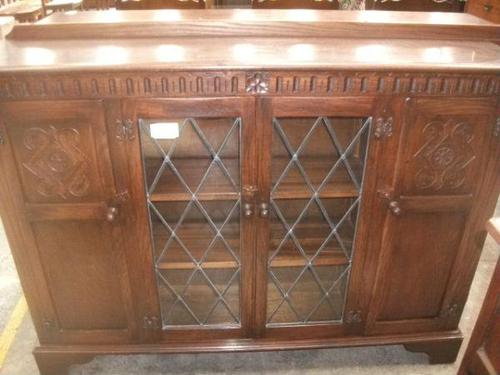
(53, 362)
(439, 352)
(442, 347)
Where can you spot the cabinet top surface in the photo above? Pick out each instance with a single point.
(252, 39)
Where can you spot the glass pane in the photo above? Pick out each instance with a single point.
(192, 176)
(317, 175)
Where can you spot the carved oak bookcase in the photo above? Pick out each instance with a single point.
(176, 210)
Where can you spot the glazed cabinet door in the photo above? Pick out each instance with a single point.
(434, 207)
(195, 197)
(61, 210)
(314, 155)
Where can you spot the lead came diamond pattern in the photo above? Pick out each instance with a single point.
(195, 235)
(313, 290)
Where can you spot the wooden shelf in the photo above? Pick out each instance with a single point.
(221, 259)
(184, 197)
(191, 265)
(295, 191)
(217, 187)
(334, 258)
(293, 185)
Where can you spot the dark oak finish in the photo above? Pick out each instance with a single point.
(482, 357)
(163, 194)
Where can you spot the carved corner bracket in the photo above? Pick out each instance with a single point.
(125, 130)
(450, 312)
(383, 125)
(151, 323)
(353, 317)
(49, 325)
(257, 83)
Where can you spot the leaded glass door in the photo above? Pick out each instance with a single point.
(194, 174)
(312, 190)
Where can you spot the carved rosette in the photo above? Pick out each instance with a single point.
(57, 162)
(257, 84)
(444, 158)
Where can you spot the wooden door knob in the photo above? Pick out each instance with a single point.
(111, 214)
(247, 210)
(395, 208)
(264, 210)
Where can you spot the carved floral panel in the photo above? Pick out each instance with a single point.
(446, 156)
(56, 161)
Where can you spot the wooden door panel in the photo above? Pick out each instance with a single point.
(203, 171)
(303, 274)
(431, 202)
(81, 271)
(69, 208)
(425, 280)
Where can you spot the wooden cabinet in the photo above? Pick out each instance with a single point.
(169, 210)
(238, 218)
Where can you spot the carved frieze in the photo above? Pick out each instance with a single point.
(57, 162)
(237, 83)
(445, 156)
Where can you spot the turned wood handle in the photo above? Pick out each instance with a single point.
(111, 213)
(395, 208)
(393, 204)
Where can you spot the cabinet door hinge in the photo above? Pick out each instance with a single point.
(151, 323)
(2, 137)
(450, 311)
(125, 130)
(496, 130)
(49, 325)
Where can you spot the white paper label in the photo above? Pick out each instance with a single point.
(164, 130)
